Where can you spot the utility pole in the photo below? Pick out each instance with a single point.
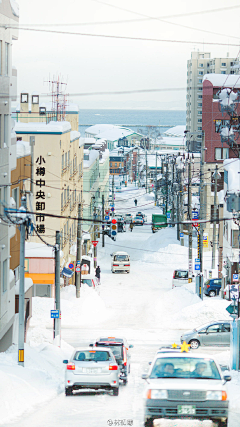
(95, 236)
(166, 186)
(215, 217)
(201, 216)
(113, 190)
(146, 170)
(181, 216)
(103, 243)
(178, 201)
(189, 217)
(156, 182)
(79, 252)
(21, 309)
(32, 143)
(173, 191)
(57, 322)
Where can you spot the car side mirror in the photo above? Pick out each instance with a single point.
(130, 346)
(65, 361)
(91, 345)
(227, 378)
(145, 376)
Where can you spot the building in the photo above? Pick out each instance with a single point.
(200, 64)
(216, 151)
(91, 191)
(8, 82)
(57, 177)
(115, 136)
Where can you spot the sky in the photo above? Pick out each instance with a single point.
(91, 64)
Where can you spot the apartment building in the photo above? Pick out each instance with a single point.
(216, 151)
(200, 64)
(8, 83)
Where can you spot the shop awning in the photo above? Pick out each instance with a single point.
(67, 272)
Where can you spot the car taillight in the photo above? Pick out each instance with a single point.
(208, 286)
(174, 275)
(124, 357)
(71, 366)
(225, 293)
(115, 265)
(126, 265)
(113, 367)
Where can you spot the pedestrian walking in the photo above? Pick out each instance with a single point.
(131, 226)
(97, 274)
(135, 201)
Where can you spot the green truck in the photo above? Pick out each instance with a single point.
(158, 221)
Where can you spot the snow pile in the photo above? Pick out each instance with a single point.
(41, 379)
(89, 309)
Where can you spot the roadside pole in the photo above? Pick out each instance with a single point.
(103, 243)
(190, 271)
(215, 217)
(113, 189)
(181, 215)
(138, 175)
(95, 237)
(57, 322)
(79, 252)
(201, 216)
(156, 182)
(173, 192)
(21, 289)
(166, 187)
(146, 169)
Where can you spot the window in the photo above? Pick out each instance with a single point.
(213, 329)
(223, 72)
(68, 159)
(35, 99)
(199, 96)
(110, 164)
(226, 327)
(65, 160)
(200, 89)
(200, 104)
(200, 65)
(232, 72)
(221, 153)
(200, 73)
(234, 239)
(224, 64)
(6, 59)
(5, 268)
(199, 128)
(199, 113)
(62, 162)
(0, 57)
(15, 196)
(24, 98)
(199, 80)
(115, 165)
(62, 201)
(199, 120)
(6, 133)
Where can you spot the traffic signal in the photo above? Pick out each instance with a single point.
(113, 228)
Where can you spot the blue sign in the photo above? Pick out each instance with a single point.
(197, 260)
(168, 215)
(112, 204)
(55, 314)
(194, 214)
(78, 262)
(235, 277)
(112, 209)
(106, 217)
(197, 266)
(181, 234)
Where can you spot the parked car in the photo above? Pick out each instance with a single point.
(180, 278)
(143, 216)
(138, 220)
(92, 368)
(118, 189)
(120, 349)
(226, 291)
(121, 226)
(214, 333)
(89, 280)
(183, 385)
(128, 218)
(120, 262)
(212, 287)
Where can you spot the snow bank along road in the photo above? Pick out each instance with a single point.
(140, 306)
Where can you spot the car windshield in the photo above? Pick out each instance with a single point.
(121, 258)
(87, 281)
(181, 274)
(116, 349)
(185, 367)
(92, 356)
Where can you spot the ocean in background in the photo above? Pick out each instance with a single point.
(138, 120)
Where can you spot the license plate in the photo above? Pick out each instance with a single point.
(91, 370)
(186, 410)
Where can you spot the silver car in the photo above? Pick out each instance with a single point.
(92, 369)
(214, 333)
(183, 385)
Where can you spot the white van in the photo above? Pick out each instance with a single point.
(120, 262)
(180, 277)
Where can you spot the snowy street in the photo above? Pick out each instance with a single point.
(140, 306)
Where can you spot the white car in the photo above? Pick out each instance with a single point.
(180, 278)
(89, 280)
(183, 385)
(92, 369)
(128, 217)
(120, 262)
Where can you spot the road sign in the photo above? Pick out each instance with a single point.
(107, 212)
(168, 215)
(195, 224)
(197, 267)
(94, 242)
(234, 292)
(55, 314)
(205, 241)
(181, 234)
(106, 217)
(194, 214)
(112, 209)
(77, 269)
(235, 277)
(232, 309)
(70, 265)
(78, 262)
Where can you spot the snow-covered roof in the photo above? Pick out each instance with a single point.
(96, 129)
(28, 283)
(93, 155)
(74, 134)
(15, 8)
(170, 140)
(115, 134)
(42, 128)
(22, 149)
(83, 141)
(176, 131)
(223, 80)
(38, 250)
